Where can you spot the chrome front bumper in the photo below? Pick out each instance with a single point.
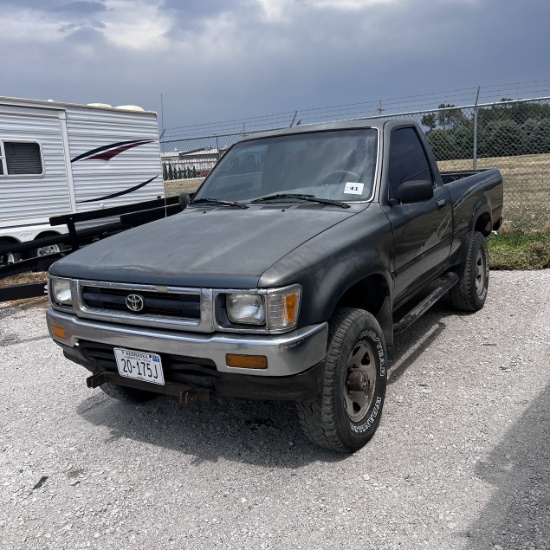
(287, 354)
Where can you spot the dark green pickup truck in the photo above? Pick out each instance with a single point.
(281, 278)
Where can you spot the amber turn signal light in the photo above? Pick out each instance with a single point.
(246, 361)
(59, 331)
(291, 302)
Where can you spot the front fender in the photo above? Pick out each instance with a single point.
(328, 265)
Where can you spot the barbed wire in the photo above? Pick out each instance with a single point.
(467, 95)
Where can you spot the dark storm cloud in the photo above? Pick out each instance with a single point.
(80, 8)
(226, 59)
(84, 35)
(192, 16)
(75, 15)
(201, 9)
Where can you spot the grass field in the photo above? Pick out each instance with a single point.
(526, 186)
(173, 188)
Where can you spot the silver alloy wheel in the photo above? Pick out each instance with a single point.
(360, 383)
(480, 272)
(50, 249)
(11, 258)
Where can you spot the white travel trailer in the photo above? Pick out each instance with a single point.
(60, 158)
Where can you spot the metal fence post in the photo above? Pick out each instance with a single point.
(475, 131)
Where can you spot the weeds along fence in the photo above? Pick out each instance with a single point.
(513, 136)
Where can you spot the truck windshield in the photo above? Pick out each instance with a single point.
(337, 165)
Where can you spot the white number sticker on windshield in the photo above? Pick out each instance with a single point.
(354, 188)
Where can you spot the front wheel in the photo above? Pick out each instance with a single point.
(348, 412)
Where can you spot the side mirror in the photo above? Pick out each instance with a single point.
(184, 200)
(415, 191)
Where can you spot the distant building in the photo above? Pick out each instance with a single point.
(189, 164)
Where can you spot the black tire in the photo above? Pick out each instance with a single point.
(123, 393)
(470, 293)
(348, 412)
(11, 257)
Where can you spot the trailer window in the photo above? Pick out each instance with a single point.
(18, 158)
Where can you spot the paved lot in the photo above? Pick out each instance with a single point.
(461, 459)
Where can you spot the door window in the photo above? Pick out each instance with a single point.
(408, 160)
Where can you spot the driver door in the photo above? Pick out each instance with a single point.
(421, 230)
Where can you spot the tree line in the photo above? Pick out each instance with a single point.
(505, 129)
(179, 172)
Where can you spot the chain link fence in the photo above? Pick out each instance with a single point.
(513, 136)
(186, 162)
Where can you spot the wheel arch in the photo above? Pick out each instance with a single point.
(483, 224)
(8, 240)
(48, 233)
(373, 294)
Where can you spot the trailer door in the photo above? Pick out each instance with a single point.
(33, 175)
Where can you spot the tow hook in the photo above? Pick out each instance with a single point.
(192, 396)
(186, 393)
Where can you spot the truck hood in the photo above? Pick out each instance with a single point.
(219, 247)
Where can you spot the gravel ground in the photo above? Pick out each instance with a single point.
(461, 458)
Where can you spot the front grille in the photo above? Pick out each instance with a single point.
(164, 304)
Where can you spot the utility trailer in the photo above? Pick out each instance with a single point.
(61, 158)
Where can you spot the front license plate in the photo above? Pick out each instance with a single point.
(139, 365)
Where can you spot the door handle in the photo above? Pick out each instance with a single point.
(441, 203)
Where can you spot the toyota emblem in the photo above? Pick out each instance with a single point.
(134, 302)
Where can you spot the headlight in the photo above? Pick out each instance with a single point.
(275, 309)
(61, 292)
(246, 309)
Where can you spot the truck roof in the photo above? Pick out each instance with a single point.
(336, 125)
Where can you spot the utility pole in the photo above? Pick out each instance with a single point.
(161, 114)
(380, 110)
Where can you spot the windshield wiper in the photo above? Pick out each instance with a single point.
(219, 201)
(310, 198)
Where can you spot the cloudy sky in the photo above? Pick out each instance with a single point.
(216, 60)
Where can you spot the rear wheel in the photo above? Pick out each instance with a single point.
(48, 249)
(348, 412)
(124, 393)
(470, 293)
(9, 258)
